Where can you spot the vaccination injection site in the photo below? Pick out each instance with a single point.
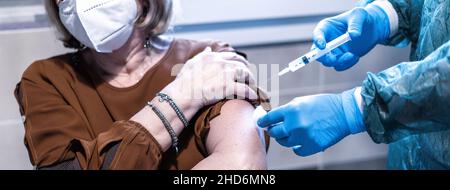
(225, 85)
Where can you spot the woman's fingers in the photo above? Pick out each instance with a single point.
(244, 75)
(234, 71)
(243, 91)
(232, 56)
(219, 75)
(206, 50)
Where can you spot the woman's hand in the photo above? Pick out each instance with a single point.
(205, 79)
(210, 77)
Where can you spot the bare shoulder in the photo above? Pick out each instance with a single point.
(234, 125)
(234, 136)
(236, 107)
(233, 114)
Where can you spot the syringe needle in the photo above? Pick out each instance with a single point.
(283, 72)
(315, 54)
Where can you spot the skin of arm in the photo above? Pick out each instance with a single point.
(233, 141)
(154, 125)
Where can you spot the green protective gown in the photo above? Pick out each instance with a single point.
(408, 105)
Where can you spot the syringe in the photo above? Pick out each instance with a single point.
(315, 54)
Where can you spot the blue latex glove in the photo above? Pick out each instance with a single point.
(311, 124)
(367, 27)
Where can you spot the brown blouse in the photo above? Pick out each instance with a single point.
(71, 115)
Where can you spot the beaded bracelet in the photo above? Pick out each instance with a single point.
(165, 98)
(167, 125)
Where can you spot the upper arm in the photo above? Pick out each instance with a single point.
(235, 137)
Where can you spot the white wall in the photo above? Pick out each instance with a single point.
(18, 49)
(195, 11)
(284, 20)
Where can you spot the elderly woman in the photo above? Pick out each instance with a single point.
(114, 103)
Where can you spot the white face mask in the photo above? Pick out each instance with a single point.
(103, 25)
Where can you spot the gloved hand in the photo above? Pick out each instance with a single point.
(311, 124)
(367, 27)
